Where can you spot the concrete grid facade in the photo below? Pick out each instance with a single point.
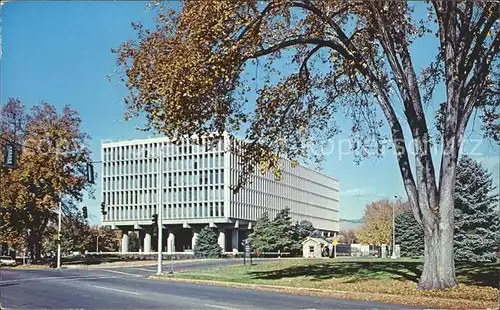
(196, 191)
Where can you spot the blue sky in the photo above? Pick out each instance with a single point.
(59, 52)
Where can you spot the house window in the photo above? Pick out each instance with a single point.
(311, 249)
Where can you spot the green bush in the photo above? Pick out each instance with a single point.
(207, 245)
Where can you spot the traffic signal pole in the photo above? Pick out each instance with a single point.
(160, 210)
(59, 238)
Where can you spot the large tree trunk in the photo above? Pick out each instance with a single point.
(35, 247)
(439, 264)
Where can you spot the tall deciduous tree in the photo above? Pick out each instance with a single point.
(75, 233)
(192, 74)
(52, 157)
(377, 222)
(476, 217)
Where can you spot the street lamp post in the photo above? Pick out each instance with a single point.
(393, 255)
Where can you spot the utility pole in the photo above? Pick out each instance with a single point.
(59, 237)
(160, 209)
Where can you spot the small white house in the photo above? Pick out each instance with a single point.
(314, 247)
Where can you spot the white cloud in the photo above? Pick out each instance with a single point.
(362, 192)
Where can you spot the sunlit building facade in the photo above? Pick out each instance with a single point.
(194, 189)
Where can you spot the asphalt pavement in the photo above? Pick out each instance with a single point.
(127, 288)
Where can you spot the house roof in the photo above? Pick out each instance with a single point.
(317, 240)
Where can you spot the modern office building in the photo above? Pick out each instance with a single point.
(196, 190)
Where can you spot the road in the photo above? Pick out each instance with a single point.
(127, 288)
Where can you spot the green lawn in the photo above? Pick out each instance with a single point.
(479, 282)
(347, 271)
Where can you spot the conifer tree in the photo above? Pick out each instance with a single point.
(409, 235)
(262, 238)
(477, 231)
(476, 214)
(283, 230)
(207, 245)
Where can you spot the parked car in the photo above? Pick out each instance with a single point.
(7, 261)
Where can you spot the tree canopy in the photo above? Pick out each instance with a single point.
(193, 74)
(377, 222)
(262, 238)
(304, 229)
(348, 236)
(52, 157)
(207, 245)
(409, 235)
(280, 234)
(477, 233)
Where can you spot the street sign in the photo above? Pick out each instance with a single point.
(248, 252)
(10, 156)
(335, 242)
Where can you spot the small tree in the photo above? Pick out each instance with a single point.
(262, 237)
(133, 242)
(409, 235)
(348, 236)
(476, 215)
(207, 245)
(283, 230)
(303, 229)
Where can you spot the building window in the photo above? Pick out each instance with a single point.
(311, 249)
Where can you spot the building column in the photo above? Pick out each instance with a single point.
(222, 239)
(235, 239)
(194, 238)
(147, 242)
(171, 242)
(125, 242)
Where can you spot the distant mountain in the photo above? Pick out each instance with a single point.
(350, 223)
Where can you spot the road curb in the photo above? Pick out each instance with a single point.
(140, 264)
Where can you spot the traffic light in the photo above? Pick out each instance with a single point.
(90, 173)
(155, 220)
(84, 212)
(103, 207)
(9, 156)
